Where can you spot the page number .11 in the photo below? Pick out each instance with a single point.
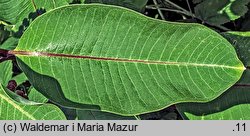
(240, 127)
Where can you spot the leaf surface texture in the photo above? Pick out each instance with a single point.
(123, 61)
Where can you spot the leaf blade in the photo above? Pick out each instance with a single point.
(116, 84)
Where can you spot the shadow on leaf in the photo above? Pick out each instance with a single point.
(51, 89)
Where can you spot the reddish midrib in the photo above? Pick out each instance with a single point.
(27, 53)
(47, 54)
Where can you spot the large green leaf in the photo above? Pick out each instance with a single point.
(235, 103)
(123, 61)
(220, 11)
(18, 11)
(10, 110)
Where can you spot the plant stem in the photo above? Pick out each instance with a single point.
(3, 52)
(9, 26)
(190, 10)
(180, 8)
(218, 26)
(159, 11)
(4, 55)
(171, 10)
(6, 24)
(137, 117)
(185, 12)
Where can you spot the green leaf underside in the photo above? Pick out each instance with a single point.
(125, 62)
(10, 110)
(235, 103)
